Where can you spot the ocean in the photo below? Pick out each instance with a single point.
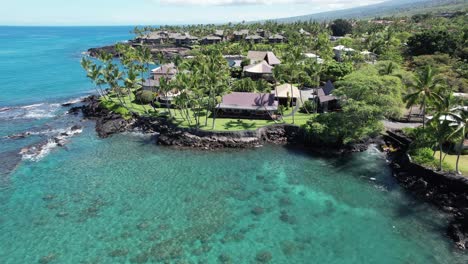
(67, 196)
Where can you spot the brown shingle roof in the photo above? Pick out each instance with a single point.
(249, 101)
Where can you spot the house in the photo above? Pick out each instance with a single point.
(335, 38)
(326, 100)
(151, 38)
(261, 32)
(277, 38)
(254, 38)
(286, 91)
(341, 51)
(303, 32)
(219, 33)
(211, 40)
(167, 71)
(248, 105)
(369, 56)
(240, 34)
(150, 85)
(314, 56)
(168, 98)
(259, 70)
(185, 40)
(268, 56)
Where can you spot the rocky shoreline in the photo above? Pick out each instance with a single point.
(447, 191)
(108, 123)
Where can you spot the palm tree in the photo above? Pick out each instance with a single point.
(459, 117)
(441, 121)
(165, 87)
(426, 91)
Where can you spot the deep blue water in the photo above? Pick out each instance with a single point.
(41, 64)
(126, 200)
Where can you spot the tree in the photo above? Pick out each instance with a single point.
(341, 27)
(426, 90)
(334, 71)
(366, 85)
(356, 122)
(432, 41)
(459, 120)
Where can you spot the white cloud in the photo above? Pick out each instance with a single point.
(266, 2)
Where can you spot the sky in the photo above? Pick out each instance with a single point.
(159, 12)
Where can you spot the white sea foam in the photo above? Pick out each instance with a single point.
(39, 151)
(34, 111)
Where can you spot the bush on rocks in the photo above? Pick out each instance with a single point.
(145, 97)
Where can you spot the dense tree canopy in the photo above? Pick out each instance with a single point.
(341, 27)
(382, 91)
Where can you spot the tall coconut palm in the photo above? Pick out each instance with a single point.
(459, 117)
(441, 123)
(426, 90)
(165, 87)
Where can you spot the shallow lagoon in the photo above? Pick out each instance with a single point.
(125, 200)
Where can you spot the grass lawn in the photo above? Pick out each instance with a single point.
(452, 159)
(221, 124)
(234, 124)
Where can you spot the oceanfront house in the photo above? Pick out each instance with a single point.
(167, 71)
(315, 57)
(185, 40)
(208, 40)
(239, 35)
(150, 85)
(219, 33)
(277, 38)
(287, 94)
(303, 32)
(326, 100)
(152, 38)
(254, 39)
(268, 56)
(342, 51)
(248, 105)
(168, 98)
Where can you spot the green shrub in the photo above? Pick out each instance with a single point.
(145, 97)
(423, 155)
(308, 106)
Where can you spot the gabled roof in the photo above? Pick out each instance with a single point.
(249, 101)
(302, 31)
(253, 37)
(260, 68)
(268, 56)
(219, 32)
(342, 48)
(241, 32)
(276, 36)
(325, 94)
(211, 37)
(169, 69)
(328, 88)
(282, 91)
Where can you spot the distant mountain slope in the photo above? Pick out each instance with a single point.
(387, 8)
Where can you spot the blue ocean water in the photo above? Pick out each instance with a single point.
(126, 200)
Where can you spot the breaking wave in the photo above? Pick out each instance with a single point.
(39, 151)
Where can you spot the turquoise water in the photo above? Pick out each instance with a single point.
(126, 200)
